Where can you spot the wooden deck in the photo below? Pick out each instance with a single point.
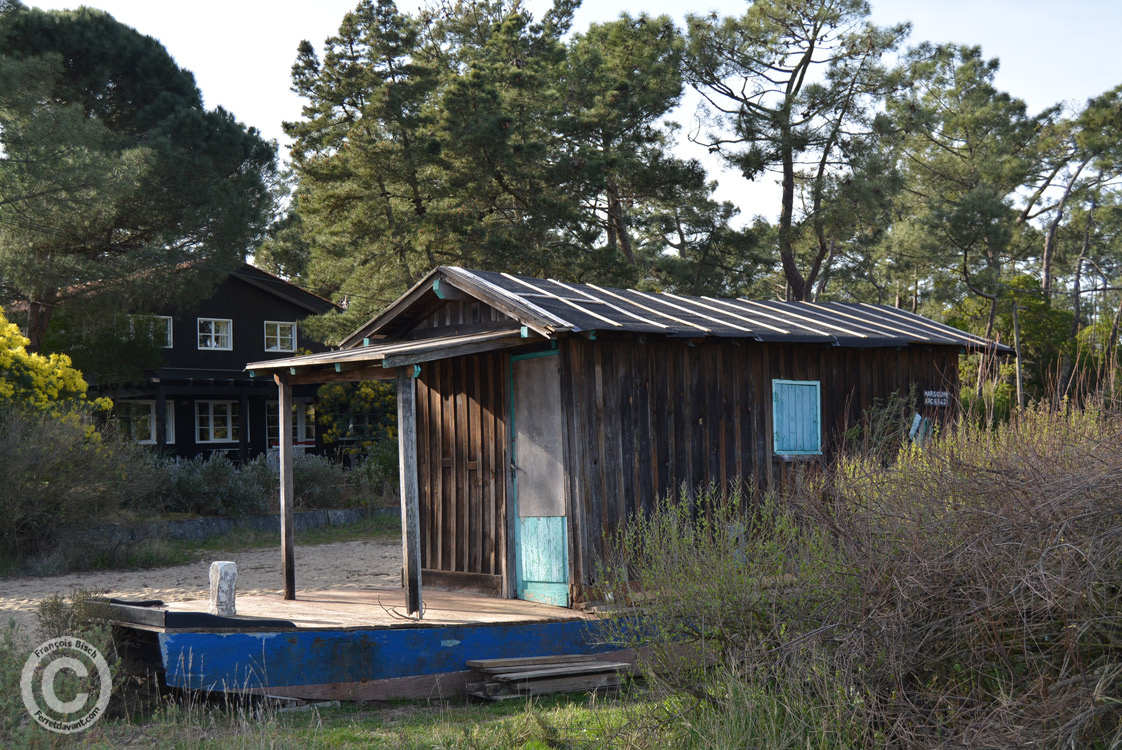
(384, 608)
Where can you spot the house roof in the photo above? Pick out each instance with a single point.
(552, 307)
(284, 289)
(250, 274)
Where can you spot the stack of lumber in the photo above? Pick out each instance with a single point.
(501, 679)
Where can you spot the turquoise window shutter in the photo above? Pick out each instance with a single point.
(796, 417)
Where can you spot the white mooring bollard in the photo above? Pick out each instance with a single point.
(223, 582)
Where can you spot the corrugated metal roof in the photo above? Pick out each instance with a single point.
(587, 307)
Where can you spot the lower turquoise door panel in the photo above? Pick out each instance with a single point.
(543, 562)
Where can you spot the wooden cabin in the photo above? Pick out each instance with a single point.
(536, 416)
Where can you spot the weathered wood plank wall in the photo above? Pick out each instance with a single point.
(461, 439)
(645, 419)
(641, 419)
(456, 318)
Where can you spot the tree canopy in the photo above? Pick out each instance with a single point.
(112, 172)
(476, 135)
(472, 133)
(793, 87)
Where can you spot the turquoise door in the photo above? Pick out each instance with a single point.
(537, 468)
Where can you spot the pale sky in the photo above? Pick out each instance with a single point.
(241, 51)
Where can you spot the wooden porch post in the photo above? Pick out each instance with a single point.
(410, 501)
(243, 428)
(161, 419)
(288, 551)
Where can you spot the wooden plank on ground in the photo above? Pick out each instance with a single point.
(499, 691)
(529, 660)
(570, 684)
(561, 671)
(518, 671)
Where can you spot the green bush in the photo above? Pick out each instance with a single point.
(353, 418)
(213, 486)
(81, 615)
(58, 474)
(318, 482)
(14, 647)
(377, 474)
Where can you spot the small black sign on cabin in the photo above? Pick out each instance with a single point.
(937, 398)
(539, 415)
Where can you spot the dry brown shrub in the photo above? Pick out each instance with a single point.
(969, 594)
(990, 564)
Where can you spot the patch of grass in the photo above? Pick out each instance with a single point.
(580, 721)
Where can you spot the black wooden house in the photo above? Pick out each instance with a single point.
(200, 400)
(536, 416)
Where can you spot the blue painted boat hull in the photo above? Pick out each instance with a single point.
(399, 662)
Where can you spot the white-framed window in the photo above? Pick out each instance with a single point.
(303, 423)
(216, 333)
(164, 331)
(216, 422)
(280, 336)
(796, 417)
(159, 327)
(137, 419)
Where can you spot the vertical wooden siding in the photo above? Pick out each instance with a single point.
(461, 438)
(644, 419)
(453, 317)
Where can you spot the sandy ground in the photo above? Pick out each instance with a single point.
(344, 565)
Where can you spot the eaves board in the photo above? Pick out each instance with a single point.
(395, 353)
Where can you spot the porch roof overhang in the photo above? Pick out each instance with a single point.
(380, 361)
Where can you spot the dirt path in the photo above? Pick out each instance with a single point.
(343, 565)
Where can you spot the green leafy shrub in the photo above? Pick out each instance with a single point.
(60, 475)
(79, 612)
(354, 418)
(318, 482)
(80, 615)
(57, 474)
(377, 474)
(213, 486)
(715, 575)
(14, 647)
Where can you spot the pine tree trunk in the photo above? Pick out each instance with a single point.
(1050, 238)
(38, 320)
